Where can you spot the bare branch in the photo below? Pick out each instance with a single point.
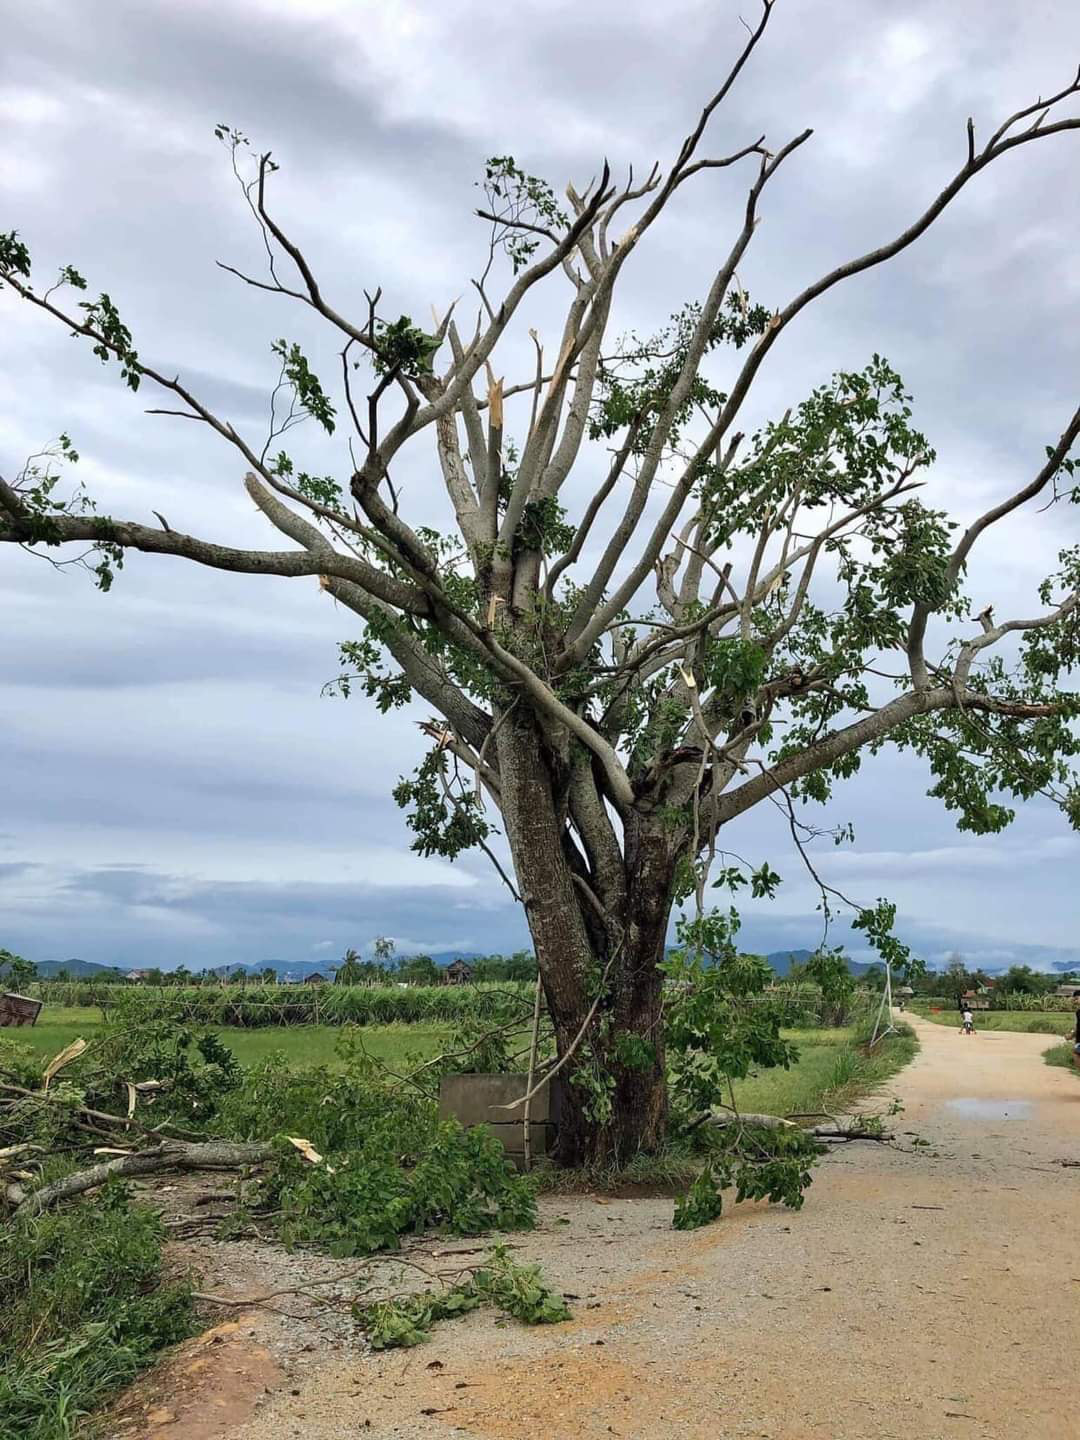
(921, 613)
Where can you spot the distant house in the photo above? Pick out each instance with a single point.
(137, 977)
(977, 999)
(1070, 990)
(458, 973)
(315, 979)
(19, 1009)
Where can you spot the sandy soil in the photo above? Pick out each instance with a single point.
(927, 1291)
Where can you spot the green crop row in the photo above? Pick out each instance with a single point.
(251, 1006)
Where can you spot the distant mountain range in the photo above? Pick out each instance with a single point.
(780, 960)
(90, 970)
(77, 969)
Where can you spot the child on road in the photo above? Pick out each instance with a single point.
(969, 1023)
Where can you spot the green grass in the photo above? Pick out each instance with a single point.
(56, 1028)
(302, 1044)
(830, 1075)
(1026, 1022)
(1062, 1055)
(82, 1310)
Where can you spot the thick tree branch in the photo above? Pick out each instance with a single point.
(877, 725)
(170, 1155)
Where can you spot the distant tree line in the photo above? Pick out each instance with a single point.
(387, 967)
(384, 967)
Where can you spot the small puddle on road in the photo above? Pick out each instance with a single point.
(973, 1109)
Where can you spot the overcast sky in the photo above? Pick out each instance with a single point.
(172, 785)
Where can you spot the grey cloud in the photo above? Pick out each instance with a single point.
(184, 708)
(125, 915)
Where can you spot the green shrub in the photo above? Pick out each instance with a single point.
(82, 1311)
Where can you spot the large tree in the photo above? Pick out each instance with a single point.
(617, 736)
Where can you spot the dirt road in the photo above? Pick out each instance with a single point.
(933, 1292)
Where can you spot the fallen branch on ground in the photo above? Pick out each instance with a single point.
(170, 1155)
(777, 1122)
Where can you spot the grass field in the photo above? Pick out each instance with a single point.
(1027, 1022)
(303, 1044)
(829, 1070)
(831, 1074)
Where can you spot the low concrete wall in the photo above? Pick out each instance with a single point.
(478, 1100)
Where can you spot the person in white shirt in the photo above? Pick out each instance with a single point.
(969, 1023)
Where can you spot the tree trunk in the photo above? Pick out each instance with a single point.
(615, 1103)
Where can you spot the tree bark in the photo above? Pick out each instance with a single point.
(615, 1092)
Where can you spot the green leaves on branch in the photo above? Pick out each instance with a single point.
(639, 379)
(40, 511)
(305, 384)
(764, 881)
(368, 668)
(758, 1163)
(522, 205)
(444, 821)
(978, 757)
(403, 347)
(544, 527)
(14, 255)
(111, 336)
(733, 667)
(877, 923)
(323, 489)
(519, 1291)
(720, 1021)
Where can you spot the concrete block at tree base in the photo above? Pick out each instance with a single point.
(476, 1100)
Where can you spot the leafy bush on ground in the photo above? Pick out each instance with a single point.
(82, 1311)
(389, 1166)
